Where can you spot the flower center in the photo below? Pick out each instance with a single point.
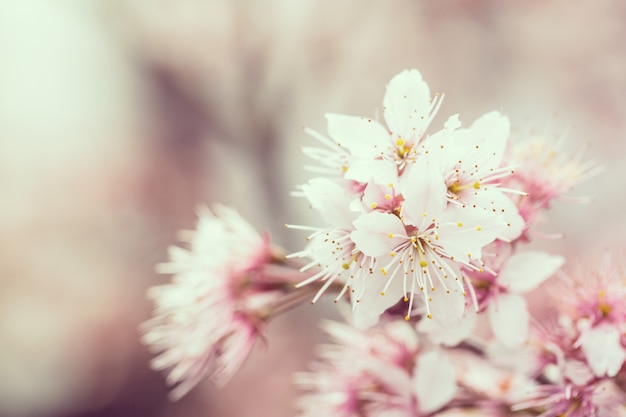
(456, 187)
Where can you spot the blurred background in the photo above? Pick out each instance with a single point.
(119, 117)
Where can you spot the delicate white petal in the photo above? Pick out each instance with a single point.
(508, 317)
(424, 193)
(603, 350)
(363, 137)
(379, 171)
(526, 270)
(464, 231)
(515, 223)
(449, 336)
(447, 308)
(371, 304)
(377, 233)
(407, 104)
(331, 200)
(484, 142)
(435, 381)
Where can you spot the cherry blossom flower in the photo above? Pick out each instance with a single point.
(207, 320)
(594, 302)
(424, 244)
(471, 162)
(546, 173)
(499, 290)
(382, 371)
(362, 149)
(596, 399)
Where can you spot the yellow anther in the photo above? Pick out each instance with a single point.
(387, 197)
(390, 185)
(424, 214)
(374, 205)
(390, 235)
(383, 270)
(479, 228)
(605, 309)
(400, 142)
(345, 266)
(407, 317)
(406, 299)
(430, 316)
(460, 224)
(392, 254)
(344, 168)
(382, 293)
(477, 185)
(423, 263)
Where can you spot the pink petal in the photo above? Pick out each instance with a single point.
(377, 233)
(509, 319)
(526, 270)
(435, 381)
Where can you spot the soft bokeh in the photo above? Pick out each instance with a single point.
(119, 117)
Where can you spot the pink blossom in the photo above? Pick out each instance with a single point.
(207, 320)
(382, 371)
(546, 173)
(593, 298)
(500, 287)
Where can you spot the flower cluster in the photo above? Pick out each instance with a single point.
(423, 218)
(384, 370)
(420, 223)
(225, 288)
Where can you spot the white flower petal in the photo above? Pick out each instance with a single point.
(603, 350)
(377, 233)
(363, 137)
(379, 171)
(407, 104)
(447, 308)
(508, 317)
(331, 200)
(484, 142)
(435, 381)
(526, 270)
(449, 336)
(507, 210)
(464, 231)
(424, 192)
(371, 304)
